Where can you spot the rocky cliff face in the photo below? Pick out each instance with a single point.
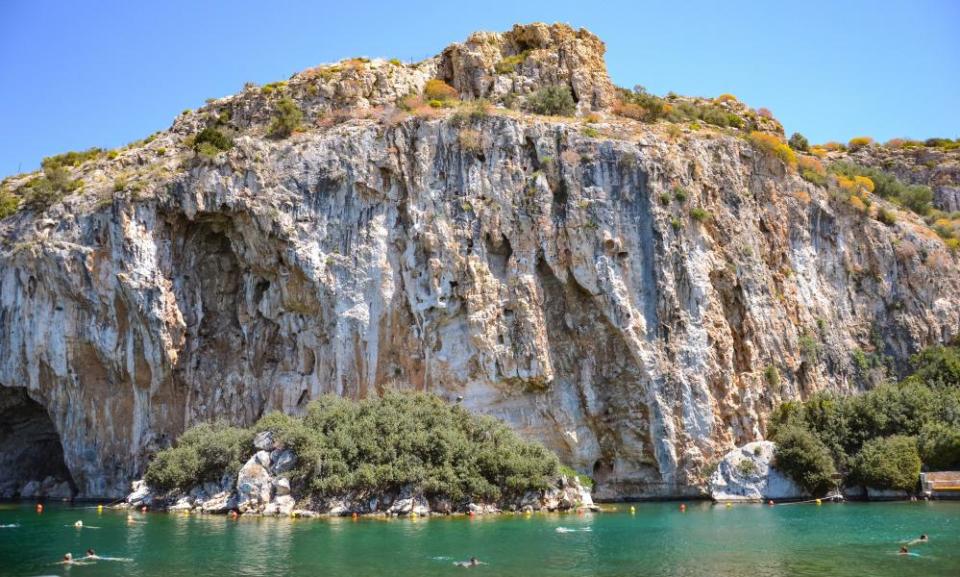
(637, 296)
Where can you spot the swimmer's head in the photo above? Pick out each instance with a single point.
(473, 561)
(923, 537)
(68, 557)
(78, 524)
(91, 553)
(903, 549)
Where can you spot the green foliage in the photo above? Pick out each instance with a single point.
(553, 100)
(43, 191)
(938, 367)
(378, 444)
(805, 459)
(916, 197)
(886, 217)
(510, 63)
(889, 463)
(211, 142)
(585, 480)
(699, 214)
(680, 194)
(590, 132)
(9, 203)
(799, 142)
(641, 105)
(939, 445)
(286, 119)
(772, 376)
(203, 453)
(924, 406)
(747, 467)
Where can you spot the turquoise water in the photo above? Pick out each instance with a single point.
(707, 540)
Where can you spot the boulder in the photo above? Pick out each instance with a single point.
(746, 474)
(61, 490)
(263, 441)
(281, 486)
(184, 503)
(140, 494)
(220, 502)
(31, 490)
(283, 460)
(281, 505)
(254, 483)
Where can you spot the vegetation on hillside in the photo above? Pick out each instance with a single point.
(376, 445)
(880, 438)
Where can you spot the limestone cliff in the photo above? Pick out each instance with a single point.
(638, 296)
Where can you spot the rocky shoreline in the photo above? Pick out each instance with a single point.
(263, 487)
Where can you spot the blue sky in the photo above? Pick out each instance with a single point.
(76, 74)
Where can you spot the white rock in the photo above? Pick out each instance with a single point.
(220, 502)
(745, 474)
(281, 486)
(254, 483)
(263, 441)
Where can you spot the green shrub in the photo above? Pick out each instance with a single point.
(799, 142)
(509, 64)
(211, 142)
(286, 119)
(937, 367)
(585, 480)
(680, 194)
(9, 203)
(889, 463)
(553, 100)
(203, 453)
(43, 191)
(700, 215)
(804, 458)
(939, 445)
(772, 376)
(747, 467)
(378, 444)
(72, 158)
(886, 217)
(916, 197)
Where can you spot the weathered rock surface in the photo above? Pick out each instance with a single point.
(550, 277)
(746, 474)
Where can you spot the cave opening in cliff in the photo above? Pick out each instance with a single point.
(31, 453)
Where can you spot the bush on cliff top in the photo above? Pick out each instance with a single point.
(376, 445)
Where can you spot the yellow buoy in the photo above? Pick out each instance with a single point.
(99, 508)
(632, 509)
(819, 502)
(729, 505)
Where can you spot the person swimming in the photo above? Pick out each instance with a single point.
(473, 562)
(91, 554)
(904, 550)
(68, 558)
(922, 539)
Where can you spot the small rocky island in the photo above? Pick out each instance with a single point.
(402, 454)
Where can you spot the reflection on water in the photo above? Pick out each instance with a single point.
(658, 540)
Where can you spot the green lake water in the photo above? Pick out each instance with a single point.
(658, 540)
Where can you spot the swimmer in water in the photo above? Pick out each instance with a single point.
(91, 554)
(473, 562)
(78, 524)
(904, 550)
(68, 558)
(922, 539)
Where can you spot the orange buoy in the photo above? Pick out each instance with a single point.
(683, 507)
(233, 515)
(471, 513)
(355, 516)
(770, 502)
(39, 507)
(143, 509)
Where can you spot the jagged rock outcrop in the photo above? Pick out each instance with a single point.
(748, 473)
(636, 296)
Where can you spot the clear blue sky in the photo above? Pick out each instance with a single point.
(75, 74)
